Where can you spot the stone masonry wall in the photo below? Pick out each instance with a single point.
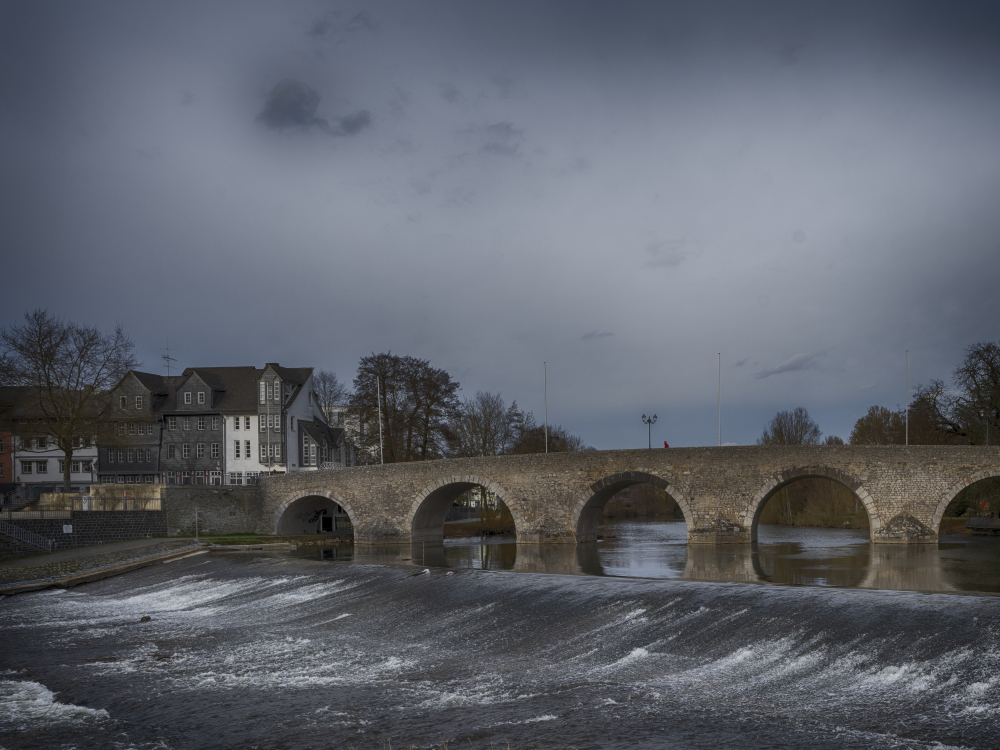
(90, 527)
(221, 509)
(720, 490)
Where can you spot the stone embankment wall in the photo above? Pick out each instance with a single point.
(221, 509)
(88, 528)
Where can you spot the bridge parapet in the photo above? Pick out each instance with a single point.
(558, 497)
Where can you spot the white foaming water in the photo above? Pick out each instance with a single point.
(24, 704)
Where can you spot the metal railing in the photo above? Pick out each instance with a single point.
(26, 537)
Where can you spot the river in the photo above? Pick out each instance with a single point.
(621, 646)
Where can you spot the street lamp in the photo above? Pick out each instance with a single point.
(649, 422)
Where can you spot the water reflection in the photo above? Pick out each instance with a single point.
(782, 555)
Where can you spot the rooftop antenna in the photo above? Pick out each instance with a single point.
(167, 359)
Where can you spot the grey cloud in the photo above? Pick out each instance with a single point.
(500, 138)
(331, 25)
(741, 362)
(792, 364)
(352, 124)
(293, 105)
(670, 254)
(450, 93)
(595, 335)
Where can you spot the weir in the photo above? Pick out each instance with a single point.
(558, 497)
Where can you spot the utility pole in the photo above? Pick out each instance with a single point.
(545, 401)
(378, 397)
(907, 397)
(720, 399)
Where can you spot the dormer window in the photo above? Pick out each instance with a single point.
(201, 397)
(187, 397)
(138, 402)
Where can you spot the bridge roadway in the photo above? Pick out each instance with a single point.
(558, 497)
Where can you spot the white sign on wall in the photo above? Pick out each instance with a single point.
(67, 528)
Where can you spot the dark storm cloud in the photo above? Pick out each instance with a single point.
(293, 105)
(792, 364)
(589, 336)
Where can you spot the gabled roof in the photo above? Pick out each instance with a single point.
(294, 375)
(152, 383)
(320, 431)
(236, 387)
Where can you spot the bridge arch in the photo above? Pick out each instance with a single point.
(307, 503)
(425, 518)
(774, 483)
(952, 493)
(589, 507)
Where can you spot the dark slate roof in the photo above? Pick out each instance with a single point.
(152, 383)
(236, 386)
(321, 432)
(295, 375)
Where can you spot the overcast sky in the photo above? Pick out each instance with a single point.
(619, 189)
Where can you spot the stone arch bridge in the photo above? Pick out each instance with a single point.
(559, 497)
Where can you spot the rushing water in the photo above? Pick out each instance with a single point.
(269, 650)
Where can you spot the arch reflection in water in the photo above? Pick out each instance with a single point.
(785, 555)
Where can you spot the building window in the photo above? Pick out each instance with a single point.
(129, 456)
(270, 391)
(1, 470)
(74, 467)
(309, 397)
(201, 423)
(42, 467)
(186, 423)
(172, 423)
(277, 392)
(201, 397)
(121, 457)
(138, 402)
(262, 425)
(277, 451)
(277, 423)
(247, 446)
(186, 450)
(1, 445)
(149, 455)
(185, 477)
(236, 423)
(111, 457)
(131, 428)
(246, 422)
(62, 466)
(171, 451)
(262, 387)
(215, 450)
(170, 477)
(88, 466)
(215, 477)
(187, 397)
(215, 423)
(293, 424)
(123, 402)
(200, 450)
(199, 477)
(263, 452)
(26, 467)
(236, 449)
(42, 443)
(236, 477)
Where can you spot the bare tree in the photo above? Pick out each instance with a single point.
(791, 428)
(486, 426)
(65, 371)
(331, 392)
(879, 426)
